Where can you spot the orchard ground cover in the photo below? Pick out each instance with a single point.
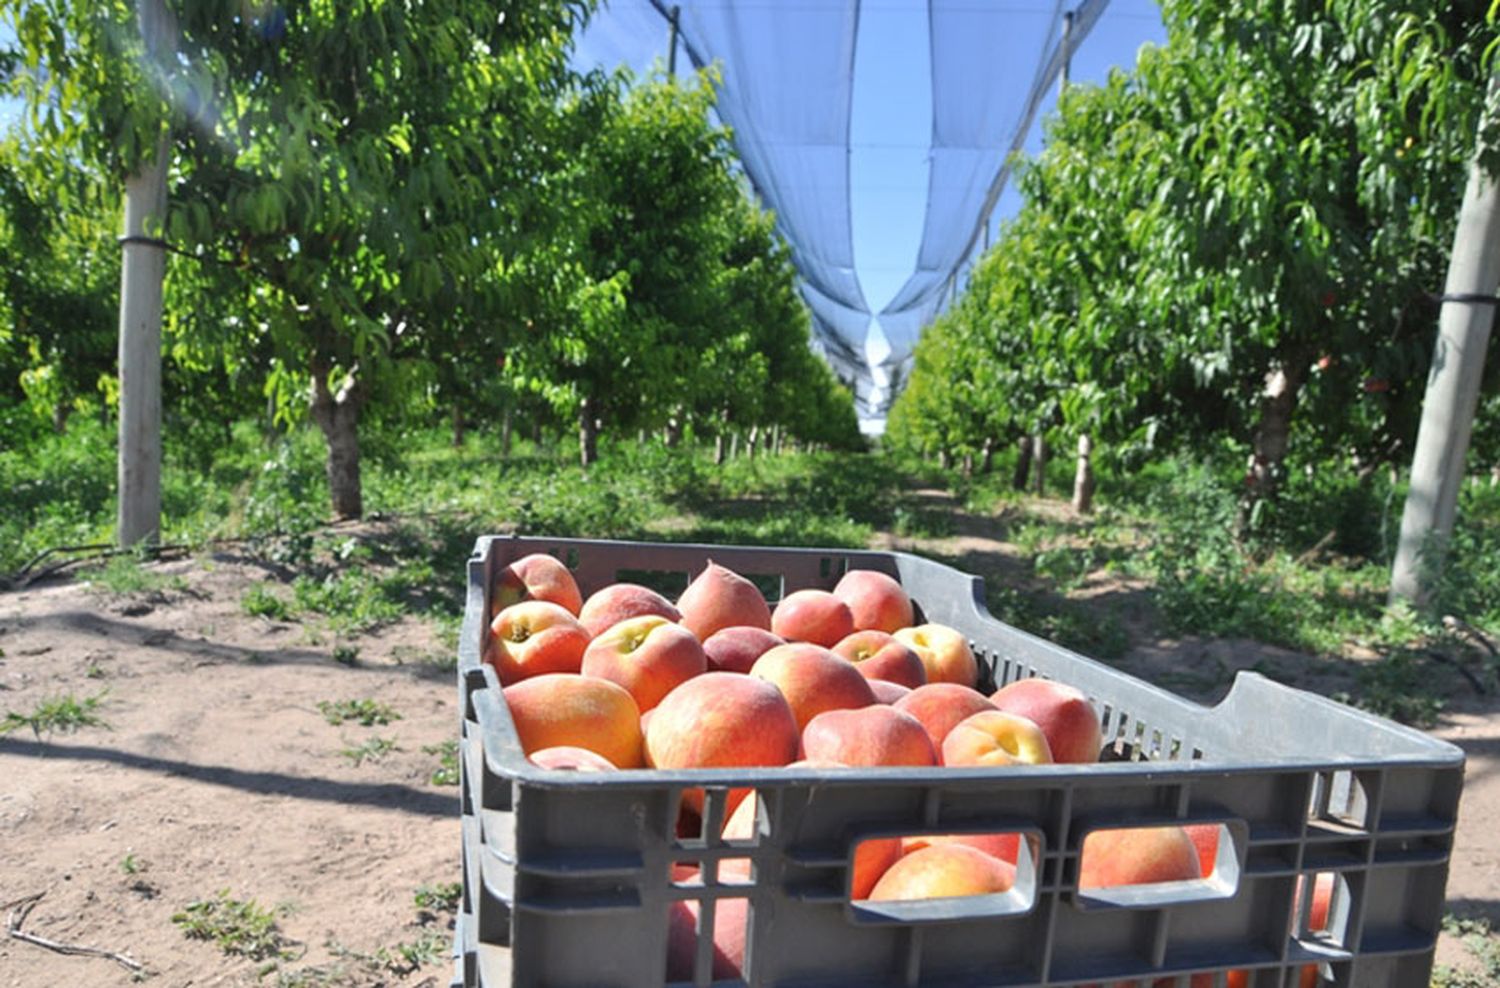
(158, 776)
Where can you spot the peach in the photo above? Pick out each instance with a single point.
(1063, 713)
(735, 649)
(888, 692)
(879, 656)
(993, 737)
(577, 711)
(533, 638)
(876, 601)
(942, 871)
(721, 598)
(944, 652)
(648, 655)
(1137, 856)
(682, 939)
(569, 758)
(1006, 847)
(813, 680)
(537, 577)
(618, 601)
(873, 735)
(721, 720)
(1205, 838)
(940, 707)
(815, 616)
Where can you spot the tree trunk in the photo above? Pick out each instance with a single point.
(968, 465)
(60, 413)
(1023, 463)
(944, 458)
(337, 416)
(673, 432)
(458, 426)
(776, 440)
(588, 433)
(734, 445)
(507, 421)
(987, 461)
(751, 440)
(1273, 433)
(1039, 454)
(720, 449)
(1083, 480)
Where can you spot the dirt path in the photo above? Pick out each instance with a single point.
(216, 771)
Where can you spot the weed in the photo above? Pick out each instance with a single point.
(127, 573)
(446, 774)
(367, 712)
(372, 750)
(240, 928)
(438, 898)
(259, 601)
(1483, 946)
(65, 713)
(352, 601)
(131, 865)
(94, 671)
(404, 958)
(346, 654)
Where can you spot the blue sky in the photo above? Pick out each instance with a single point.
(892, 124)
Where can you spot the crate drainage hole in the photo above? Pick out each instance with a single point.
(927, 876)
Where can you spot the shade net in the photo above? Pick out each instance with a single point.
(785, 91)
(994, 65)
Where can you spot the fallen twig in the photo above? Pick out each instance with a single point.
(1466, 629)
(1318, 547)
(19, 908)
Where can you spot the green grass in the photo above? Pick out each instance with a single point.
(65, 714)
(1483, 945)
(430, 947)
(366, 712)
(239, 928)
(370, 750)
(128, 574)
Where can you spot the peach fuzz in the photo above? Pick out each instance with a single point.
(887, 692)
(618, 601)
(1137, 856)
(537, 577)
(721, 720)
(648, 655)
(577, 711)
(736, 648)
(815, 616)
(721, 598)
(940, 707)
(568, 758)
(876, 601)
(1063, 713)
(1006, 847)
(533, 638)
(813, 680)
(877, 655)
(944, 871)
(944, 652)
(993, 737)
(868, 736)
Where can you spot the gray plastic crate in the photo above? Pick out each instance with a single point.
(567, 877)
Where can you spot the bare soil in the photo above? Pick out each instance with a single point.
(215, 770)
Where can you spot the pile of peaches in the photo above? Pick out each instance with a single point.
(830, 679)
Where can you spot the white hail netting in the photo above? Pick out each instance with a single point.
(786, 91)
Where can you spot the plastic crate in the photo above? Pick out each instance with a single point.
(567, 877)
